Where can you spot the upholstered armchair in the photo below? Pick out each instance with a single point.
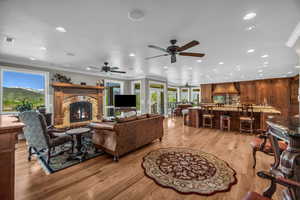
(39, 138)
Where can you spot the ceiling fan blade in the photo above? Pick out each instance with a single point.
(114, 68)
(156, 56)
(192, 54)
(121, 72)
(188, 45)
(173, 58)
(158, 48)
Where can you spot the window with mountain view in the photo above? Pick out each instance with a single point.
(20, 87)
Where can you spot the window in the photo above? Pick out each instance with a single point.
(195, 96)
(172, 95)
(18, 86)
(184, 96)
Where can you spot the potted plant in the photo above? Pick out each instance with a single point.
(25, 105)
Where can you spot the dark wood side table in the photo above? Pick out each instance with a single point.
(78, 132)
(287, 163)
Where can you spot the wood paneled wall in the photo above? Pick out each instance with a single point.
(281, 93)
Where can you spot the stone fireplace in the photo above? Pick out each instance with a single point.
(76, 105)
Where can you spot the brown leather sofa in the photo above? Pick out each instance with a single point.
(127, 134)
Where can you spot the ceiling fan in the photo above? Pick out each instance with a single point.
(107, 68)
(174, 50)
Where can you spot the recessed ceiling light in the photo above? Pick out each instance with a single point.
(249, 16)
(260, 70)
(250, 50)
(250, 28)
(199, 61)
(60, 29)
(165, 67)
(32, 58)
(136, 15)
(298, 67)
(265, 56)
(131, 54)
(70, 54)
(221, 63)
(43, 48)
(88, 68)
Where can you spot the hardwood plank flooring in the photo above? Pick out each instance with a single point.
(101, 178)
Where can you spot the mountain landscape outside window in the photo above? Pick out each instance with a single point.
(20, 86)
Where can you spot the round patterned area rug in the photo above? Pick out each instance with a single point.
(189, 171)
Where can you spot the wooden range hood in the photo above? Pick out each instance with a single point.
(225, 88)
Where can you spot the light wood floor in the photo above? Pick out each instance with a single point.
(101, 178)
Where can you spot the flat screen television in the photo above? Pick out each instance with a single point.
(125, 101)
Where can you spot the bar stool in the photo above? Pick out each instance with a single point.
(246, 118)
(207, 117)
(225, 120)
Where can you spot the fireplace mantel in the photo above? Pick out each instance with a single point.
(65, 94)
(76, 86)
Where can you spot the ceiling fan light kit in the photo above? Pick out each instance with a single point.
(107, 69)
(175, 50)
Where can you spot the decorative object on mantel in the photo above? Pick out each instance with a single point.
(189, 171)
(100, 83)
(61, 78)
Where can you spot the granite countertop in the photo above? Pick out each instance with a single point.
(289, 126)
(9, 122)
(234, 108)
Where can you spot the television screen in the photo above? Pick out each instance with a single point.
(125, 100)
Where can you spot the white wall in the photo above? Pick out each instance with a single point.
(76, 78)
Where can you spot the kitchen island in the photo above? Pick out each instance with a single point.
(9, 129)
(260, 114)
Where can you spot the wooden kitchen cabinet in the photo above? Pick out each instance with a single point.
(248, 92)
(274, 92)
(263, 92)
(280, 97)
(206, 93)
(294, 90)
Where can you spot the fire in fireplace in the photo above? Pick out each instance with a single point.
(80, 111)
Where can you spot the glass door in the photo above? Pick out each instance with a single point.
(156, 99)
(136, 90)
(172, 99)
(112, 88)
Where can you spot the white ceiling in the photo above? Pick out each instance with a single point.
(99, 30)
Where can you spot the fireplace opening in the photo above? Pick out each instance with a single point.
(80, 111)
